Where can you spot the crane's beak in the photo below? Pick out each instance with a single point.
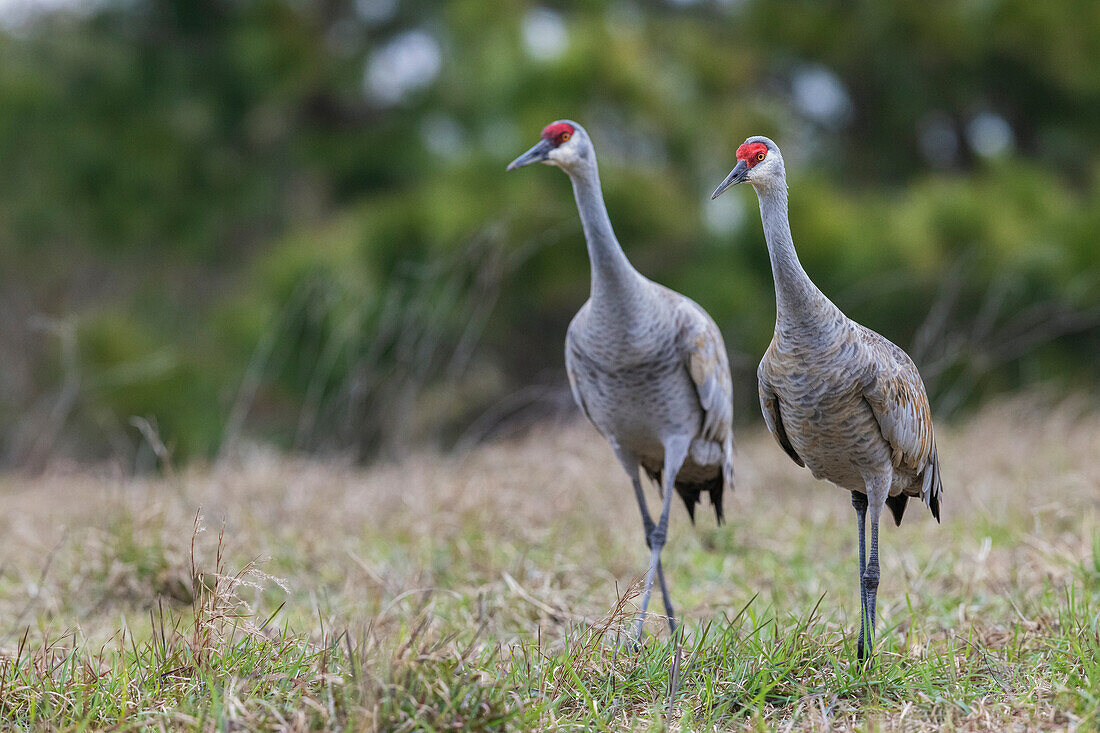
(537, 154)
(738, 175)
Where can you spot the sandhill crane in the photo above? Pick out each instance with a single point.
(839, 398)
(646, 365)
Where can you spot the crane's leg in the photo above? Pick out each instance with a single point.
(871, 577)
(877, 491)
(675, 452)
(630, 464)
(647, 523)
(859, 501)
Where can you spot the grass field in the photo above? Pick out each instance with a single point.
(492, 590)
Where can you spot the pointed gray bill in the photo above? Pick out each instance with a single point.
(738, 175)
(537, 154)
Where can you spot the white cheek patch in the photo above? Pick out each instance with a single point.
(564, 154)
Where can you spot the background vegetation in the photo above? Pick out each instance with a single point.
(289, 221)
(254, 229)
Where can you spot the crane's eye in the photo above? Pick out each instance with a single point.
(565, 136)
(760, 156)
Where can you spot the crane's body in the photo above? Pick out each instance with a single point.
(840, 399)
(819, 384)
(631, 376)
(646, 365)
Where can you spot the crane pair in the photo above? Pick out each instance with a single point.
(648, 367)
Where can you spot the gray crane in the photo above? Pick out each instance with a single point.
(647, 366)
(840, 399)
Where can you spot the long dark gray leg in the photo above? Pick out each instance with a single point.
(669, 611)
(871, 577)
(630, 464)
(859, 501)
(876, 500)
(675, 452)
(647, 523)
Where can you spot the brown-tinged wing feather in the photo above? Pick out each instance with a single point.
(899, 402)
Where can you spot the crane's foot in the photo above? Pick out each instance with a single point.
(636, 638)
(865, 653)
(638, 632)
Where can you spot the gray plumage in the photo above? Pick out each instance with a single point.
(649, 367)
(646, 365)
(839, 398)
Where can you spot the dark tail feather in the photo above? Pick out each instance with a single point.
(692, 494)
(689, 502)
(716, 489)
(936, 488)
(897, 506)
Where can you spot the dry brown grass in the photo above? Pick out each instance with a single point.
(497, 570)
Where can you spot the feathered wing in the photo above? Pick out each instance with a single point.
(705, 359)
(709, 366)
(571, 367)
(899, 402)
(769, 406)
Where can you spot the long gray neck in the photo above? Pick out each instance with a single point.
(612, 274)
(796, 296)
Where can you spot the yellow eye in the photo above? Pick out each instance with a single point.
(565, 136)
(760, 156)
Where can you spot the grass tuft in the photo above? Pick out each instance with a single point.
(481, 593)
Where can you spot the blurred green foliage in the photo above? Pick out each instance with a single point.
(290, 220)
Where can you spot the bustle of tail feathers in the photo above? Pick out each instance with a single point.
(897, 506)
(930, 492)
(691, 493)
(935, 486)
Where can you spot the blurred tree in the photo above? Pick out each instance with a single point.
(290, 220)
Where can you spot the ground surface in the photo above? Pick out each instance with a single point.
(488, 590)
